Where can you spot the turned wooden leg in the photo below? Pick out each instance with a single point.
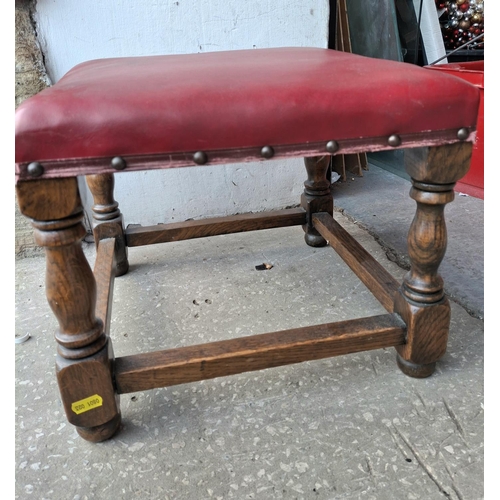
(317, 196)
(108, 221)
(421, 301)
(84, 353)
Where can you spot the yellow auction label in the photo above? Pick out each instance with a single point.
(87, 404)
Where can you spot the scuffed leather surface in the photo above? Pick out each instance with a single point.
(237, 99)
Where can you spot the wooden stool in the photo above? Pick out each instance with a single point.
(142, 113)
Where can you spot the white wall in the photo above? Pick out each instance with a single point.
(72, 31)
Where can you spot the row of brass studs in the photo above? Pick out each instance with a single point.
(35, 169)
(200, 157)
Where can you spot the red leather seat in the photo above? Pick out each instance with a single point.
(230, 103)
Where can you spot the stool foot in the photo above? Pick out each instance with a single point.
(413, 370)
(101, 432)
(121, 267)
(315, 240)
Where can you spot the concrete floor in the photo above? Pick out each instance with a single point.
(351, 427)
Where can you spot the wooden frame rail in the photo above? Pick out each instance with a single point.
(177, 231)
(228, 357)
(216, 359)
(104, 273)
(379, 281)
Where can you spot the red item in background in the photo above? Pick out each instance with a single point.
(473, 71)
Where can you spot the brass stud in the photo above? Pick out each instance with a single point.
(35, 169)
(462, 134)
(332, 146)
(200, 158)
(394, 140)
(267, 152)
(118, 163)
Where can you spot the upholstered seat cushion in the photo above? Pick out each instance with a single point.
(232, 101)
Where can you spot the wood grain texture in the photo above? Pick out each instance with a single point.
(86, 378)
(421, 301)
(108, 220)
(188, 364)
(427, 241)
(48, 199)
(439, 164)
(83, 363)
(428, 327)
(104, 272)
(379, 281)
(102, 188)
(70, 287)
(177, 231)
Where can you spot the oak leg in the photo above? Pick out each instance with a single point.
(317, 196)
(108, 220)
(421, 301)
(84, 352)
